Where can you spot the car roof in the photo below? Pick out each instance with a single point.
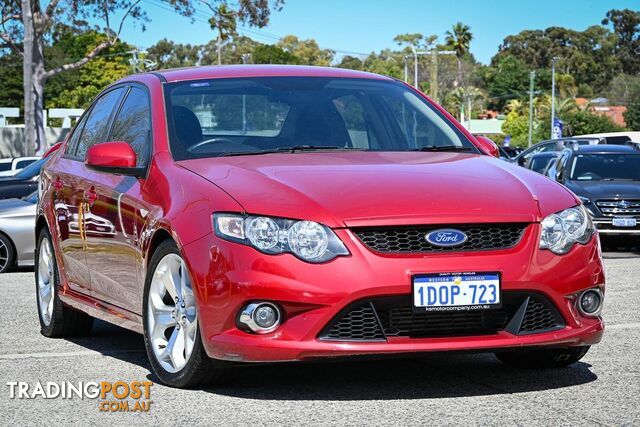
(547, 154)
(606, 149)
(230, 71)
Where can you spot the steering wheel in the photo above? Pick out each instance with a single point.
(216, 140)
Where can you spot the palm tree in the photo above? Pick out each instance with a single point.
(459, 40)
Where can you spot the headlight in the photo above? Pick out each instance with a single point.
(307, 240)
(560, 231)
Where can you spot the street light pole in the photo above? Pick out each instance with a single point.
(406, 68)
(553, 92)
(532, 76)
(415, 66)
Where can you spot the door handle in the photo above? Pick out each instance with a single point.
(90, 196)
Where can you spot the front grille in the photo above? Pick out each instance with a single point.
(379, 318)
(412, 239)
(624, 207)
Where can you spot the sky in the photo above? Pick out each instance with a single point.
(362, 26)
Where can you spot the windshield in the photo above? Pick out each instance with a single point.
(604, 166)
(271, 114)
(30, 171)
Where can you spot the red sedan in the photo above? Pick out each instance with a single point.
(275, 213)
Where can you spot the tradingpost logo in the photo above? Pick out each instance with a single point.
(118, 396)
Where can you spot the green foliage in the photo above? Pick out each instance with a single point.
(167, 54)
(271, 54)
(632, 115)
(76, 88)
(626, 27)
(307, 51)
(516, 126)
(459, 39)
(508, 79)
(584, 122)
(11, 78)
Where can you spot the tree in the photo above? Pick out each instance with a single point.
(27, 26)
(76, 88)
(517, 126)
(584, 123)
(632, 115)
(459, 39)
(508, 79)
(270, 54)
(167, 54)
(626, 26)
(307, 51)
(351, 62)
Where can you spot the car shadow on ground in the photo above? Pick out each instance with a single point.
(427, 376)
(620, 247)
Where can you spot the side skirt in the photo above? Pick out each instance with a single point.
(102, 310)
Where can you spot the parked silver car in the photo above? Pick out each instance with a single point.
(17, 222)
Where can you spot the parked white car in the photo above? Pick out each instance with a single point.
(11, 166)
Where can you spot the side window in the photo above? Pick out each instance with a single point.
(97, 127)
(72, 145)
(133, 124)
(24, 163)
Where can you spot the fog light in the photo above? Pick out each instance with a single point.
(590, 302)
(260, 317)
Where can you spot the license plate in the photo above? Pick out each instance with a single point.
(456, 292)
(624, 222)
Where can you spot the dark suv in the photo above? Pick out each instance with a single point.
(607, 180)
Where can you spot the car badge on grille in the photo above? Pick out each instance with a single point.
(446, 237)
(623, 204)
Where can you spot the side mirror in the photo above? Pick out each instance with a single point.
(115, 157)
(488, 147)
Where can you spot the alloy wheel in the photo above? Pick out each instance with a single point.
(45, 281)
(4, 255)
(171, 314)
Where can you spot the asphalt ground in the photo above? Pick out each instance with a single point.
(604, 388)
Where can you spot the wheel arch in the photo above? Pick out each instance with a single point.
(41, 223)
(158, 237)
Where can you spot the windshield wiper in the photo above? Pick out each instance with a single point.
(443, 148)
(295, 148)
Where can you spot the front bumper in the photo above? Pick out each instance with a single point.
(227, 276)
(605, 226)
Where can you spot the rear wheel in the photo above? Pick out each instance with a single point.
(56, 319)
(6, 253)
(171, 335)
(542, 358)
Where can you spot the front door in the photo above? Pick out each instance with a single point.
(113, 250)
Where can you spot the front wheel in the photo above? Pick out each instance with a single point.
(171, 335)
(542, 358)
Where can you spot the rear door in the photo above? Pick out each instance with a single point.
(112, 234)
(69, 178)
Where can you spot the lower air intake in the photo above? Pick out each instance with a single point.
(379, 318)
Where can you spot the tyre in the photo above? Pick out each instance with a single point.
(542, 358)
(171, 333)
(56, 319)
(6, 253)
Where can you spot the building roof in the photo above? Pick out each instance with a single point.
(484, 127)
